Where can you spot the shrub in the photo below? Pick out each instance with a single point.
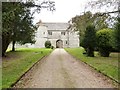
(52, 47)
(104, 41)
(89, 40)
(47, 44)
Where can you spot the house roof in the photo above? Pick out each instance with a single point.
(56, 26)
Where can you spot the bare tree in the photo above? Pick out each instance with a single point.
(109, 6)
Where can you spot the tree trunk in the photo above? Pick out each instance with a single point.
(90, 52)
(6, 39)
(13, 45)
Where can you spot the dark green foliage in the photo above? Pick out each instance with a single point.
(104, 41)
(89, 40)
(52, 47)
(117, 34)
(48, 44)
(17, 25)
(80, 22)
(23, 29)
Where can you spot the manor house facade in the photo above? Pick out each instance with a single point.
(57, 33)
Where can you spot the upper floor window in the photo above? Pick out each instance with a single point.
(49, 32)
(62, 33)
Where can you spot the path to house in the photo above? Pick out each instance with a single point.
(61, 70)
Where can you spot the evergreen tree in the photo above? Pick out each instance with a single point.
(89, 41)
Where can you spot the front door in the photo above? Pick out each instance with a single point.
(59, 44)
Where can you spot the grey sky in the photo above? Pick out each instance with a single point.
(65, 10)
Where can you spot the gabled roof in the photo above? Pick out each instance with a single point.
(56, 26)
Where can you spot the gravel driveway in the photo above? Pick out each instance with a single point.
(61, 70)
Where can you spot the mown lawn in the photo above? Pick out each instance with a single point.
(106, 65)
(18, 62)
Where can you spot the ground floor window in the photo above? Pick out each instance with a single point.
(66, 42)
(49, 32)
(62, 33)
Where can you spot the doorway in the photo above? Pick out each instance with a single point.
(59, 43)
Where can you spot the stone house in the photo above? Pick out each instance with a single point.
(57, 33)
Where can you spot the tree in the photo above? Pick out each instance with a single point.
(117, 34)
(109, 6)
(104, 41)
(89, 40)
(17, 20)
(105, 7)
(117, 31)
(23, 31)
(7, 19)
(82, 21)
(20, 23)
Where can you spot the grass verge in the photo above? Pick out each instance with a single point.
(106, 65)
(18, 62)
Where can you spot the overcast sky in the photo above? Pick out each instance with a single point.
(65, 10)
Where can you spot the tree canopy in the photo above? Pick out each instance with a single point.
(108, 6)
(104, 41)
(89, 41)
(81, 22)
(117, 34)
(17, 22)
(102, 14)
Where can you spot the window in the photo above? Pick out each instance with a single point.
(62, 33)
(66, 42)
(49, 32)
